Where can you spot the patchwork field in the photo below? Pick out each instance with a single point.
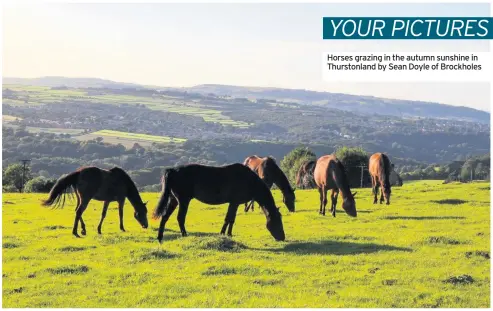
(429, 248)
(38, 95)
(128, 139)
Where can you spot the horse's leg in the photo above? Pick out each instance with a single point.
(78, 215)
(321, 200)
(83, 226)
(229, 219)
(333, 196)
(232, 220)
(169, 210)
(103, 215)
(381, 194)
(249, 205)
(324, 199)
(182, 214)
(120, 212)
(374, 187)
(377, 187)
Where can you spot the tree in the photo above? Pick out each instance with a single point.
(13, 176)
(353, 159)
(39, 184)
(293, 160)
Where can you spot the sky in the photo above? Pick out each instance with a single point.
(257, 44)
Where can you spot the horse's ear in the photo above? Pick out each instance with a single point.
(354, 193)
(146, 202)
(392, 165)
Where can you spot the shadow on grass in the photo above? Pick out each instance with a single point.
(330, 247)
(423, 217)
(171, 235)
(450, 201)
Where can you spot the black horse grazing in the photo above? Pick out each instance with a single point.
(267, 169)
(102, 185)
(234, 184)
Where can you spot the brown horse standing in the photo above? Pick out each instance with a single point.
(330, 174)
(102, 185)
(380, 168)
(268, 170)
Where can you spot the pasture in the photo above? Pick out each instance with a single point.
(39, 95)
(429, 248)
(129, 139)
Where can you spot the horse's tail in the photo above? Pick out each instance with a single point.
(386, 170)
(62, 186)
(298, 176)
(163, 201)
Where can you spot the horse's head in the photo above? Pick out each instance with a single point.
(289, 199)
(141, 215)
(349, 205)
(274, 225)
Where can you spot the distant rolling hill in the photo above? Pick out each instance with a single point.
(355, 103)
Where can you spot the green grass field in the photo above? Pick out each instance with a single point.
(129, 139)
(389, 256)
(38, 95)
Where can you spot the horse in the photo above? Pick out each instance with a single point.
(304, 177)
(330, 174)
(234, 184)
(102, 185)
(267, 169)
(380, 168)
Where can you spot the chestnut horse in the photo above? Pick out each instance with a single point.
(268, 170)
(330, 174)
(380, 168)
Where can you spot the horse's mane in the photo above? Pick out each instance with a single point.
(133, 193)
(282, 181)
(343, 181)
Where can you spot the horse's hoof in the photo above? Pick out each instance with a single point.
(123, 230)
(76, 235)
(83, 232)
(230, 235)
(184, 234)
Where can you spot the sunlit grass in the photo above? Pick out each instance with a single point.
(402, 255)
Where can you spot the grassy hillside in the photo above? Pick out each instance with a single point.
(402, 255)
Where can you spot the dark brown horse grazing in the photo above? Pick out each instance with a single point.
(304, 177)
(102, 185)
(267, 169)
(330, 174)
(380, 168)
(234, 184)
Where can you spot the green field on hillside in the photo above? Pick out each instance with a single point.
(128, 139)
(36, 95)
(429, 248)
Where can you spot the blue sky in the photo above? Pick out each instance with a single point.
(277, 45)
